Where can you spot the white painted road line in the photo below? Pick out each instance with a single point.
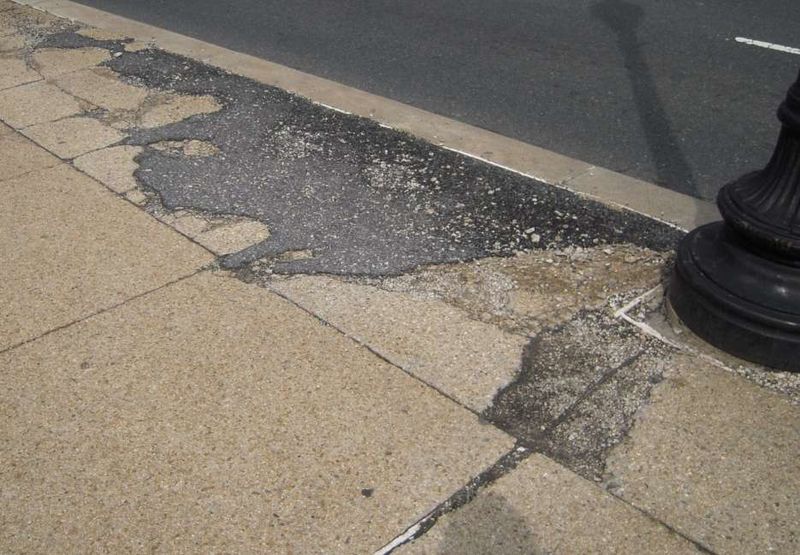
(769, 45)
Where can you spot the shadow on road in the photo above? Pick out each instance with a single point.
(671, 166)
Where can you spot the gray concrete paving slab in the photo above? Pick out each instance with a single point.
(102, 88)
(11, 43)
(52, 62)
(113, 167)
(541, 507)
(718, 458)
(212, 415)
(71, 248)
(467, 360)
(36, 103)
(14, 71)
(18, 155)
(71, 137)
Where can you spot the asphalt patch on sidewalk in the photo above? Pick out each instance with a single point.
(70, 38)
(360, 198)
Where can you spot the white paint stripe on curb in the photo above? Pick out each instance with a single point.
(606, 186)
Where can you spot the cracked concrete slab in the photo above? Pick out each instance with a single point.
(467, 360)
(113, 167)
(232, 236)
(138, 197)
(14, 71)
(212, 415)
(70, 248)
(52, 62)
(103, 88)
(188, 147)
(220, 234)
(137, 46)
(167, 108)
(718, 458)
(530, 291)
(18, 155)
(71, 137)
(541, 507)
(36, 103)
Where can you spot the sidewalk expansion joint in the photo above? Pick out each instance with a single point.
(699, 545)
(372, 350)
(460, 498)
(104, 310)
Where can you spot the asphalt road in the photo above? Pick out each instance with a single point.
(658, 90)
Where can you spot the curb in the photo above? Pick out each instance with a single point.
(609, 187)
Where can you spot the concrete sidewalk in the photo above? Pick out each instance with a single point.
(205, 346)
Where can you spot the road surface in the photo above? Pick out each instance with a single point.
(661, 91)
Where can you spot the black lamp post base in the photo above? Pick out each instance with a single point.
(742, 303)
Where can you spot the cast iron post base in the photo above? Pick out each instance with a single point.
(735, 300)
(736, 283)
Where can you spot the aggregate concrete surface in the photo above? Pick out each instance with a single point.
(462, 319)
(150, 428)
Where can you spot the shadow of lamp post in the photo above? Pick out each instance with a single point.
(736, 283)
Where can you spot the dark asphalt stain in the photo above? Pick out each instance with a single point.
(69, 38)
(579, 389)
(363, 199)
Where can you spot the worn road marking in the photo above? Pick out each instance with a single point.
(768, 45)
